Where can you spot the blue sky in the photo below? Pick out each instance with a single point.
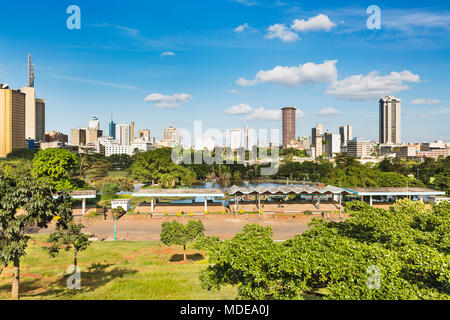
(195, 60)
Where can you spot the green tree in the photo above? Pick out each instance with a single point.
(26, 202)
(55, 166)
(175, 233)
(67, 238)
(407, 246)
(157, 166)
(22, 154)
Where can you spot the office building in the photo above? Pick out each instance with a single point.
(332, 144)
(40, 119)
(346, 134)
(288, 114)
(171, 138)
(359, 148)
(112, 129)
(245, 140)
(78, 137)
(132, 132)
(123, 134)
(144, 134)
(233, 138)
(315, 133)
(94, 123)
(390, 120)
(92, 135)
(12, 120)
(54, 136)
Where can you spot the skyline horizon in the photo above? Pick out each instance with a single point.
(238, 68)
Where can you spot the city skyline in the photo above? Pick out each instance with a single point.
(236, 67)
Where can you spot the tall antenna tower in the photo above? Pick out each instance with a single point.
(30, 72)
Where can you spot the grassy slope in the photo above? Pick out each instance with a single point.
(113, 270)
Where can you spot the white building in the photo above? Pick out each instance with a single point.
(233, 138)
(346, 134)
(332, 143)
(94, 123)
(359, 148)
(390, 120)
(123, 134)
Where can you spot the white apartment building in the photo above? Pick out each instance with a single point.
(332, 143)
(123, 134)
(346, 134)
(390, 120)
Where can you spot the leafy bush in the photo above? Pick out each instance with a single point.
(408, 245)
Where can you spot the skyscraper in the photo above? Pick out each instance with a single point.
(123, 134)
(112, 129)
(132, 132)
(288, 125)
(245, 137)
(94, 123)
(12, 120)
(346, 134)
(390, 120)
(30, 72)
(332, 143)
(40, 119)
(234, 138)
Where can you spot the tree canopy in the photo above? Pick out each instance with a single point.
(56, 166)
(401, 253)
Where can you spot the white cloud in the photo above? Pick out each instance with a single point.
(270, 114)
(241, 108)
(307, 73)
(167, 101)
(425, 101)
(242, 27)
(233, 91)
(372, 85)
(329, 112)
(320, 22)
(282, 32)
(247, 3)
(167, 53)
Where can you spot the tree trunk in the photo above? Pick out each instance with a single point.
(185, 257)
(16, 279)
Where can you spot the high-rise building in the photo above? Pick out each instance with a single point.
(144, 134)
(123, 134)
(54, 136)
(172, 136)
(358, 148)
(245, 138)
(40, 119)
(34, 108)
(233, 138)
(132, 132)
(316, 132)
(94, 123)
(30, 112)
(92, 135)
(346, 134)
(12, 120)
(112, 129)
(288, 125)
(390, 120)
(30, 72)
(332, 143)
(78, 137)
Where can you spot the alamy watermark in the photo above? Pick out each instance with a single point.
(215, 151)
(374, 279)
(74, 280)
(74, 20)
(374, 20)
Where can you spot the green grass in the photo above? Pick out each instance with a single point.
(119, 173)
(113, 270)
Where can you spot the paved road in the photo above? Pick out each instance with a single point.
(151, 229)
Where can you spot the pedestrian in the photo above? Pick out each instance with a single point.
(104, 212)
